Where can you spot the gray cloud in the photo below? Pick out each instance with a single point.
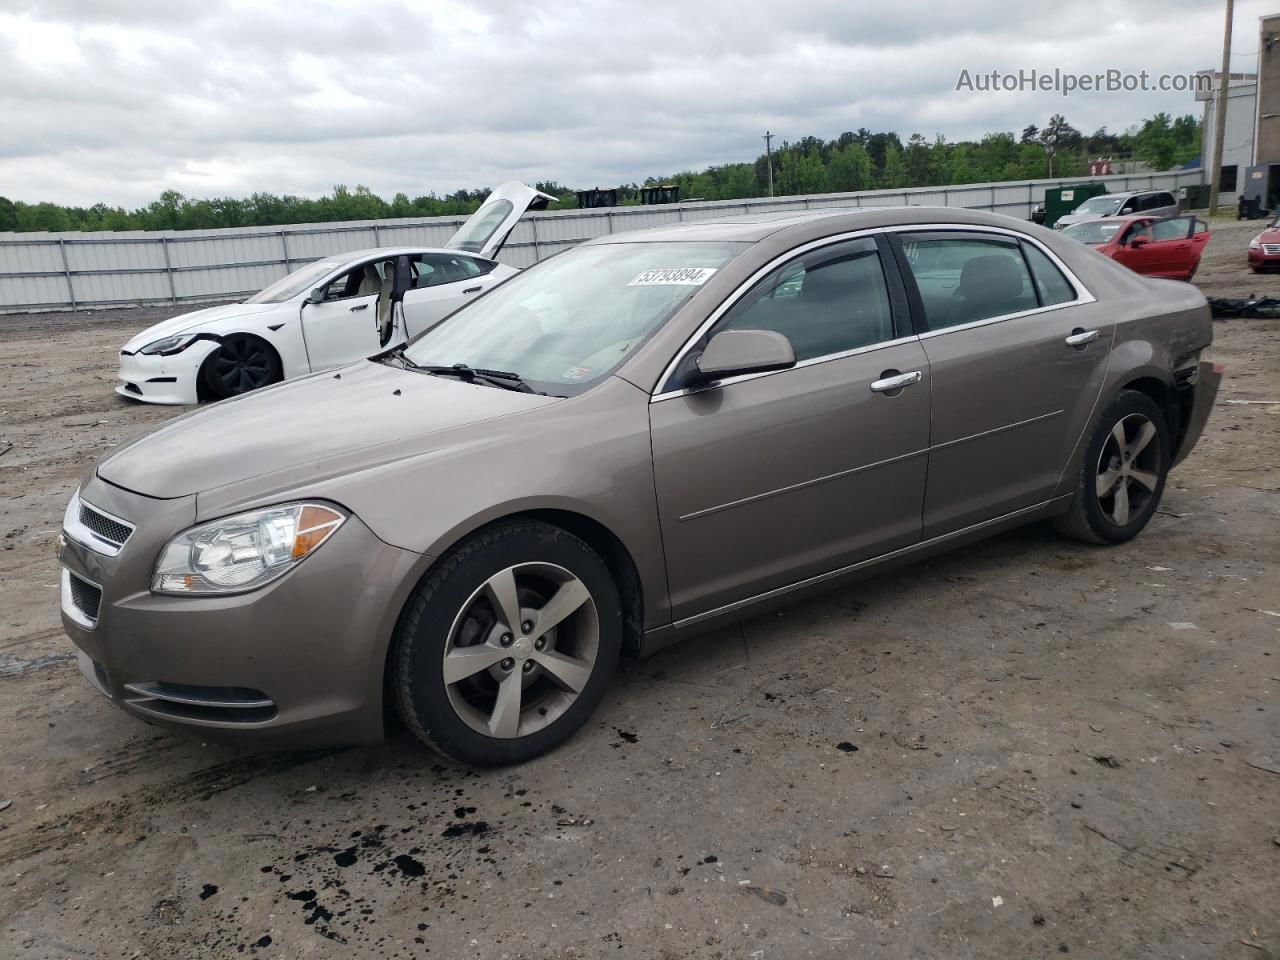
(116, 100)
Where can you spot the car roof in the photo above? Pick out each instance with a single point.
(757, 227)
(373, 252)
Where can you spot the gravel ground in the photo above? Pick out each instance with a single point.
(1027, 748)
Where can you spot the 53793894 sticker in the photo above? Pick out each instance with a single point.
(673, 276)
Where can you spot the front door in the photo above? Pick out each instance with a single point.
(1017, 356)
(348, 323)
(769, 479)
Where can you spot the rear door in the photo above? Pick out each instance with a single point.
(769, 479)
(1170, 249)
(487, 229)
(1199, 240)
(440, 282)
(1017, 352)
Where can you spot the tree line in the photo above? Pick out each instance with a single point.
(853, 161)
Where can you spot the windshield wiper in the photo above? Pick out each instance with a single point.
(496, 378)
(398, 356)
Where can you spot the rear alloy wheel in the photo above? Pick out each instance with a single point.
(242, 363)
(509, 645)
(1123, 472)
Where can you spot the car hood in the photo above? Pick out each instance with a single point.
(363, 406)
(196, 318)
(1269, 236)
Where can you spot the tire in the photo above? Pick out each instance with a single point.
(243, 363)
(467, 714)
(1118, 488)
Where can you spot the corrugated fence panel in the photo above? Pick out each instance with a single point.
(56, 271)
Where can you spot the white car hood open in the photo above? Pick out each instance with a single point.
(204, 320)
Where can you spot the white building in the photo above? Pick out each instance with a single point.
(1237, 145)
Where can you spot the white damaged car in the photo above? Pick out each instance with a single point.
(332, 311)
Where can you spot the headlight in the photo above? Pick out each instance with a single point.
(1256, 243)
(243, 552)
(169, 345)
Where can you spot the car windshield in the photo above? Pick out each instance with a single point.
(1101, 206)
(571, 320)
(292, 284)
(1093, 231)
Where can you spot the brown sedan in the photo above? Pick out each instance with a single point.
(646, 436)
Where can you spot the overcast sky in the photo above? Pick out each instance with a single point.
(117, 100)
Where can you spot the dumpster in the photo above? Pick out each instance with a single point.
(1059, 201)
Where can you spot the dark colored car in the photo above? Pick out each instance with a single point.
(647, 436)
(1155, 247)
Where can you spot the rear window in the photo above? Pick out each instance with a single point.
(1051, 285)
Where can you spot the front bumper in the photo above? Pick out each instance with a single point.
(158, 379)
(297, 663)
(1208, 379)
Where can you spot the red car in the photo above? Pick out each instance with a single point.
(1264, 249)
(1153, 246)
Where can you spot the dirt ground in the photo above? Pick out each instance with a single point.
(1027, 748)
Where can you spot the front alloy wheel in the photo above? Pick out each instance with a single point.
(508, 645)
(521, 650)
(241, 364)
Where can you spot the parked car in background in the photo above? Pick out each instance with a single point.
(332, 311)
(1151, 203)
(1165, 247)
(647, 436)
(1264, 249)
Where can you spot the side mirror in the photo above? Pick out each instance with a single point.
(734, 352)
(316, 295)
(1125, 210)
(1139, 241)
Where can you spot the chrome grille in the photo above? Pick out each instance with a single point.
(85, 596)
(1271, 249)
(108, 528)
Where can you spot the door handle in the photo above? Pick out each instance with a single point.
(472, 290)
(1080, 337)
(892, 380)
(363, 306)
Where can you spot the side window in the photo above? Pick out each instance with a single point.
(433, 269)
(827, 301)
(1175, 228)
(966, 278)
(362, 281)
(1138, 230)
(1051, 285)
(1201, 227)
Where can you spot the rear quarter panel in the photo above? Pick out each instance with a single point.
(1157, 323)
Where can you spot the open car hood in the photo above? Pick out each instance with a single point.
(487, 229)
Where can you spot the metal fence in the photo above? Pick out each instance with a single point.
(53, 271)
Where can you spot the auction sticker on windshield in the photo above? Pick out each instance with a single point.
(677, 276)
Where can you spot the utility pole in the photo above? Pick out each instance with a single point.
(1220, 115)
(768, 152)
